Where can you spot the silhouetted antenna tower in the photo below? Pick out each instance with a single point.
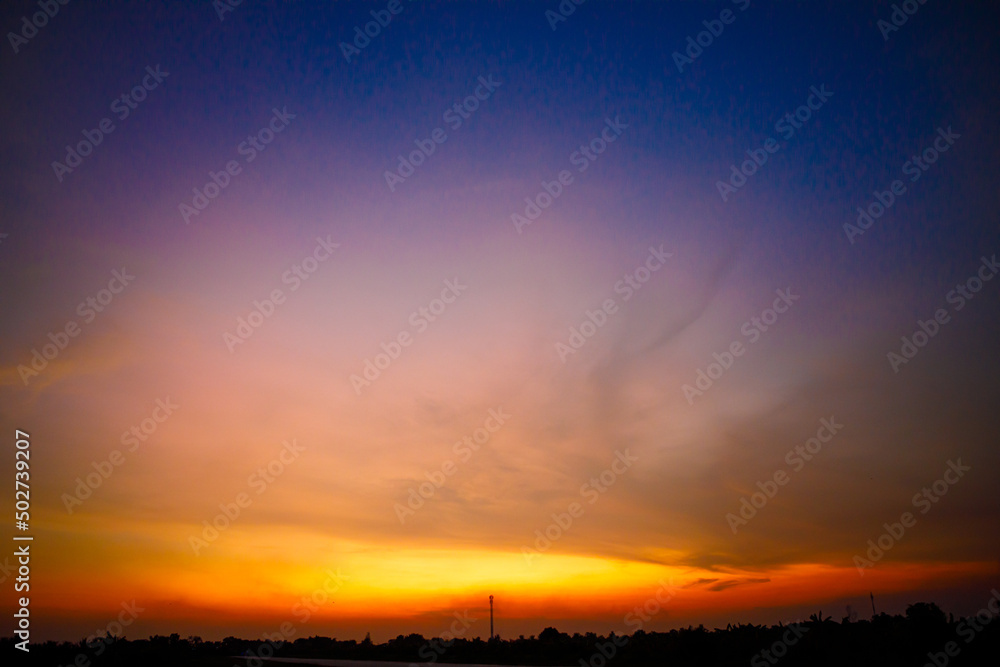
(491, 618)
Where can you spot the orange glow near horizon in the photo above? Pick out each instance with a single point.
(350, 582)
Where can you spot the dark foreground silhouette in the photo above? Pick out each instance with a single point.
(924, 636)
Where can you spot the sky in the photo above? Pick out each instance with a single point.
(629, 314)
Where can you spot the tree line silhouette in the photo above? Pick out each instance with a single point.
(923, 636)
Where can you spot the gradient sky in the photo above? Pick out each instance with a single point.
(334, 507)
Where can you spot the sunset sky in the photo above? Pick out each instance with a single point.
(560, 319)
